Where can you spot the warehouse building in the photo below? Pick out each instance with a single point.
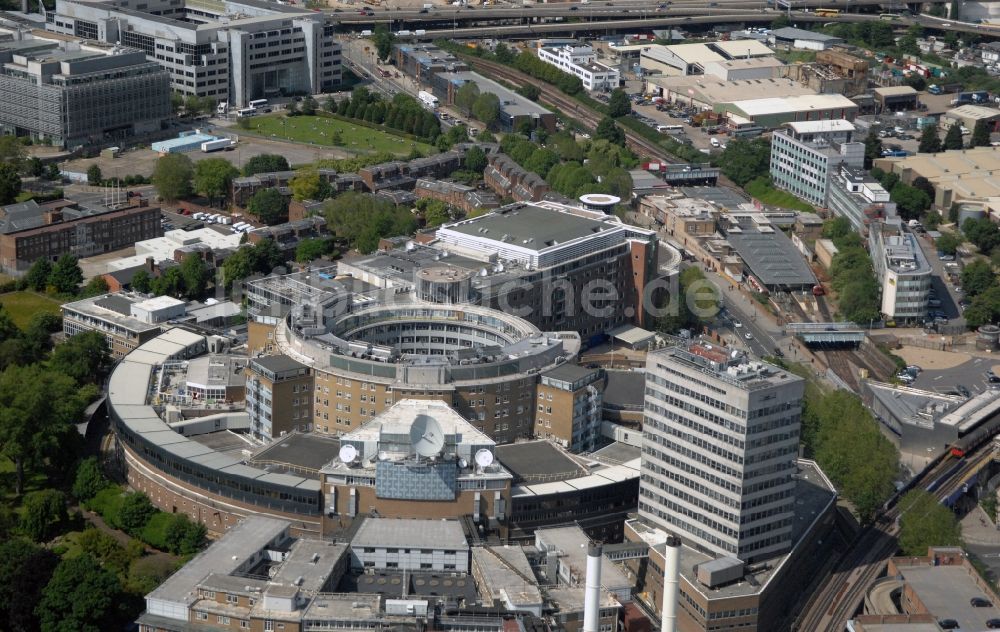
(243, 50)
(957, 175)
(968, 116)
(800, 38)
(694, 59)
(72, 97)
(772, 112)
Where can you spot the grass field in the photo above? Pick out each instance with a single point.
(762, 189)
(23, 305)
(318, 130)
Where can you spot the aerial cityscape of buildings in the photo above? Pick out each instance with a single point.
(499, 316)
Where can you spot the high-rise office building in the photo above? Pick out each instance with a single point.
(721, 436)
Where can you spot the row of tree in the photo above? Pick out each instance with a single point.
(484, 106)
(176, 177)
(403, 113)
(931, 143)
(852, 274)
(361, 219)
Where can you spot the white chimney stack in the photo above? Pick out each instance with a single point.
(671, 579)
(592, 590)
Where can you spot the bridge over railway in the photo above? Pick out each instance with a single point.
(827, 335)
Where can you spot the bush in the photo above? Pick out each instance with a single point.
(135, 512)
(155, 532)
(89, 480)
(107, 503)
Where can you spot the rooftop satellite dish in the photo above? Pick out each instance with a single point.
(426, 436)
(348, 453)
(484, 458)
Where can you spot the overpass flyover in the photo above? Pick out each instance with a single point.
(827, 335)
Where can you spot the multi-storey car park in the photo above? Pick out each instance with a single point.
(229, 50)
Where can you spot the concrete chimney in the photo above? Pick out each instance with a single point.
(592, 590)
(671, 579)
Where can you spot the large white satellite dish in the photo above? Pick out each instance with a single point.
(426, 436)
(348, 453)
(484, 458)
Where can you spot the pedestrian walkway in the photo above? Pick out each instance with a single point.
(977, 528)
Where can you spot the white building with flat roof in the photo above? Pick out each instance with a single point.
(721, 436)
(806, 154)
(580, 60)
(411, 545)
(903, 272)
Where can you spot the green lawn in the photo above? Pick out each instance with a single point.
(761, 189)
(23, 305)
(319, 130)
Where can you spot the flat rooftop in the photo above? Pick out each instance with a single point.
(569, 372)
(389, 584)
(742, 48)
(410, 533)
(619, 452)
(712, 89)
(771, 256)
(216, 371)
(791, 104)
(910, 405)
(304, 454)
(946, 591)
(817, 127)
(503, 569)
(531, 227)
(511, 102)
(537, 461)
(625, 389)
(114, 308)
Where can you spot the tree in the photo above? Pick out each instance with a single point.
(135, 512)
(81, 596)
(311, 249)
(95, 287)
(270, 206)
(52, 172)
(924, 522)
(42, 513)
(383, 41)
(10, 183)
(873, 148)
(307, 184)
(929, 141)
(465, 97)
(608, 130)
(746, 159)
(435, 213)
(486, 108)
(89, 479)
(980, 135)
(265, 163)
(38, 275)
(529, 91)
(953, 137)
(475, 160)
(94, 175)
(172, 177)
(983, 233)
(911, 201)
(619, 104)
(195, 275)
(977, 277)
(213, 176)
(66, 275)
(142, 282)
(25, 569)
(12, 152)
(83, 357)
(309, 106)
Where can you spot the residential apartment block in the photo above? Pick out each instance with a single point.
(903, 272)
(71, 96)
(721, 437)
(580, 60)
(232, 50)
(30, 231)
(509, 179)
(805, 154)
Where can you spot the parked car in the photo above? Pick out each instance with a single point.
(993, 624)
(980, 602)
(964, 391)
(748, 336)
(948, 624)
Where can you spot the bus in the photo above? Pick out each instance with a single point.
(827, 13)
(257, 103)
(669, 129)
(246, 112)
(888, 16)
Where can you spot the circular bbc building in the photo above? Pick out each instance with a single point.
(366, 350)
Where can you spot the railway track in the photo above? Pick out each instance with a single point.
(552, 96)
(838, 599)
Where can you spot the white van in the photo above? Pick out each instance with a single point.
(714, 142)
